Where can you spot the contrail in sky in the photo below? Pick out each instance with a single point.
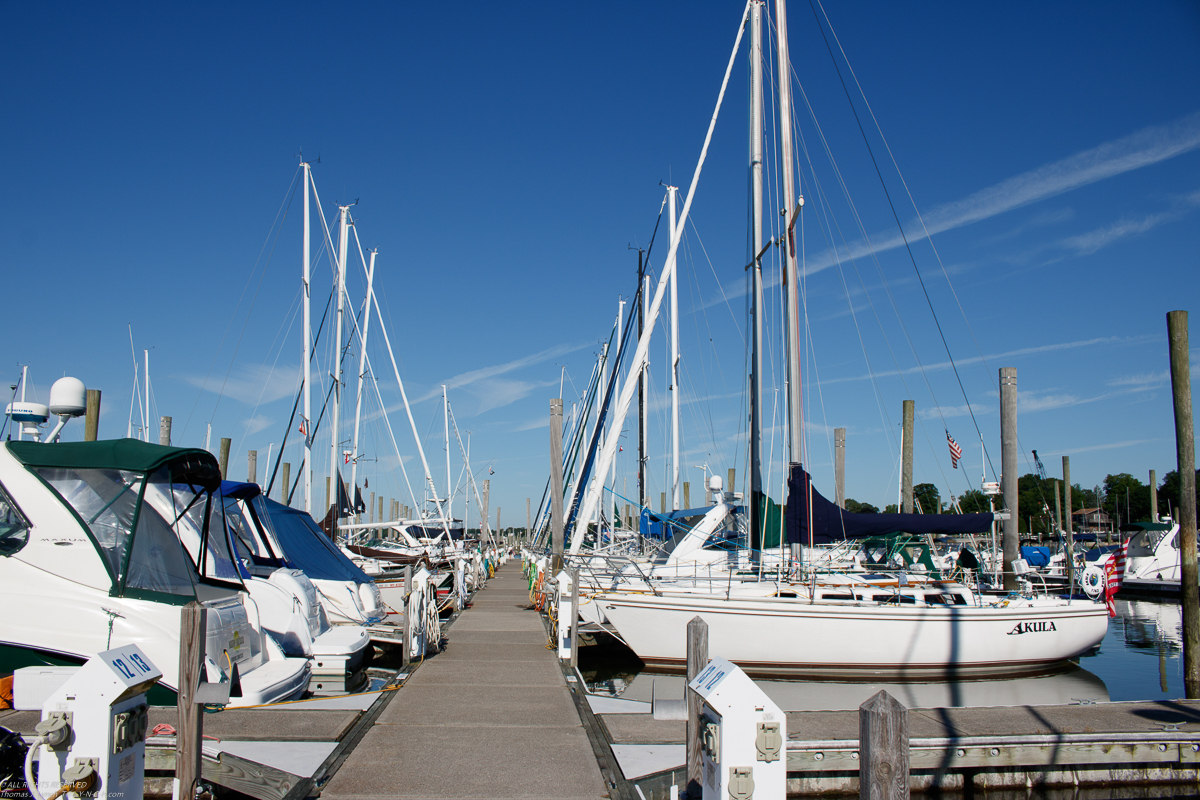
(1141, 149)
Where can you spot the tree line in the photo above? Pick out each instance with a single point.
(1122, 496)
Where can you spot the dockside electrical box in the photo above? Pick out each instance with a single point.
(94, 726)
(742, 736)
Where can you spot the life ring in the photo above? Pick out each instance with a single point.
(1092, 581)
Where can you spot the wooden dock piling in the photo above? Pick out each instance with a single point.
(882, 749)
(1011, 539)
(223, 458)
(190, 730)
(697, 658)
(91, 420)
(906, 459)
(1185, 454)
(164, 431)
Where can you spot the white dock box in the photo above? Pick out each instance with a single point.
(742, 736)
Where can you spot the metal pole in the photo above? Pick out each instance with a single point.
(756, 506)
(906, 460)
(307, 358)
(362, 371)
(1185, 454)
(146, 428)
(1011, 539)
(671, 190)
(839, 465)
(795, 396)
(446, 433)
(334, 472)
(164, 431)
(556, 485)
(641, 468)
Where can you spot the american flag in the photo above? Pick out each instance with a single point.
(955, 450)
(1114, 573)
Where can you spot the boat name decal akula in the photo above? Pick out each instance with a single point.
(1032, 627)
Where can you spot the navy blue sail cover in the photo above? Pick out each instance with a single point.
(812, 519)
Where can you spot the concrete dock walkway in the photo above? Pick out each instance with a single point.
(490, 717)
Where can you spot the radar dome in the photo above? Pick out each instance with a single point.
(68, 397)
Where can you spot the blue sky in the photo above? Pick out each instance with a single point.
(504, 158)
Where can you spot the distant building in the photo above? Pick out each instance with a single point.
(1091, 520)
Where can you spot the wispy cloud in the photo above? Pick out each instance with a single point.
(257, 423)
(1143, 382)
(252, 384)
(1087, 243)
(484, 373)
(1141, 149)
(948, 412)
(1024, 351)
(1109, 446)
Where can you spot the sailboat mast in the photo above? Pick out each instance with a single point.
(146, 424)
(756, 300)
(307, 357)
(446, 424)
(641, 469)
(617, 377)
(674, 362)
(334, 474)
(362, 371)
(795, 395)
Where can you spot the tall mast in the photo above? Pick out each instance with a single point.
(602, 477)
(334, 473)
(674, 359)
(362, 371)
(641, 468)
(616, 377)
(307, 358)
(756, 299)
(795, 395)
(446, 423)
(146, 426)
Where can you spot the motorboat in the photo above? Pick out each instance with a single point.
(104, 542)
(288, 601)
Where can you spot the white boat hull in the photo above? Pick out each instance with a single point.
(785, 637)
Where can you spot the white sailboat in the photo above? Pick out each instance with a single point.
(857, 626)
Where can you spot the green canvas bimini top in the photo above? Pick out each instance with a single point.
(189, 464)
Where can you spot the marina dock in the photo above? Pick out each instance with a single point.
(490, 717)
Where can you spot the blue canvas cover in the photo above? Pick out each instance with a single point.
(1036, 556)
(812, 519)
(310, 549)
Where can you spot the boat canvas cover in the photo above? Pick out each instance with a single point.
(188, 464)
(813, 519)
(308, 548)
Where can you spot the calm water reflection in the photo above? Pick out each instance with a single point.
(1139, 659)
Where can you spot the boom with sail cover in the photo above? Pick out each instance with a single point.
(812, 519)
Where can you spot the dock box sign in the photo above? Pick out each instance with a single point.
(742, 734)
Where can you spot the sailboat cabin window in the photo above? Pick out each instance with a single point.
(14, 528)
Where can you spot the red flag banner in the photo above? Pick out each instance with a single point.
(1114, 573)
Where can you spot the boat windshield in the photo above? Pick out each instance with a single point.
(1145, 543)
(251, 543)
(106, 500)
(198, 522)
(14, 529)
